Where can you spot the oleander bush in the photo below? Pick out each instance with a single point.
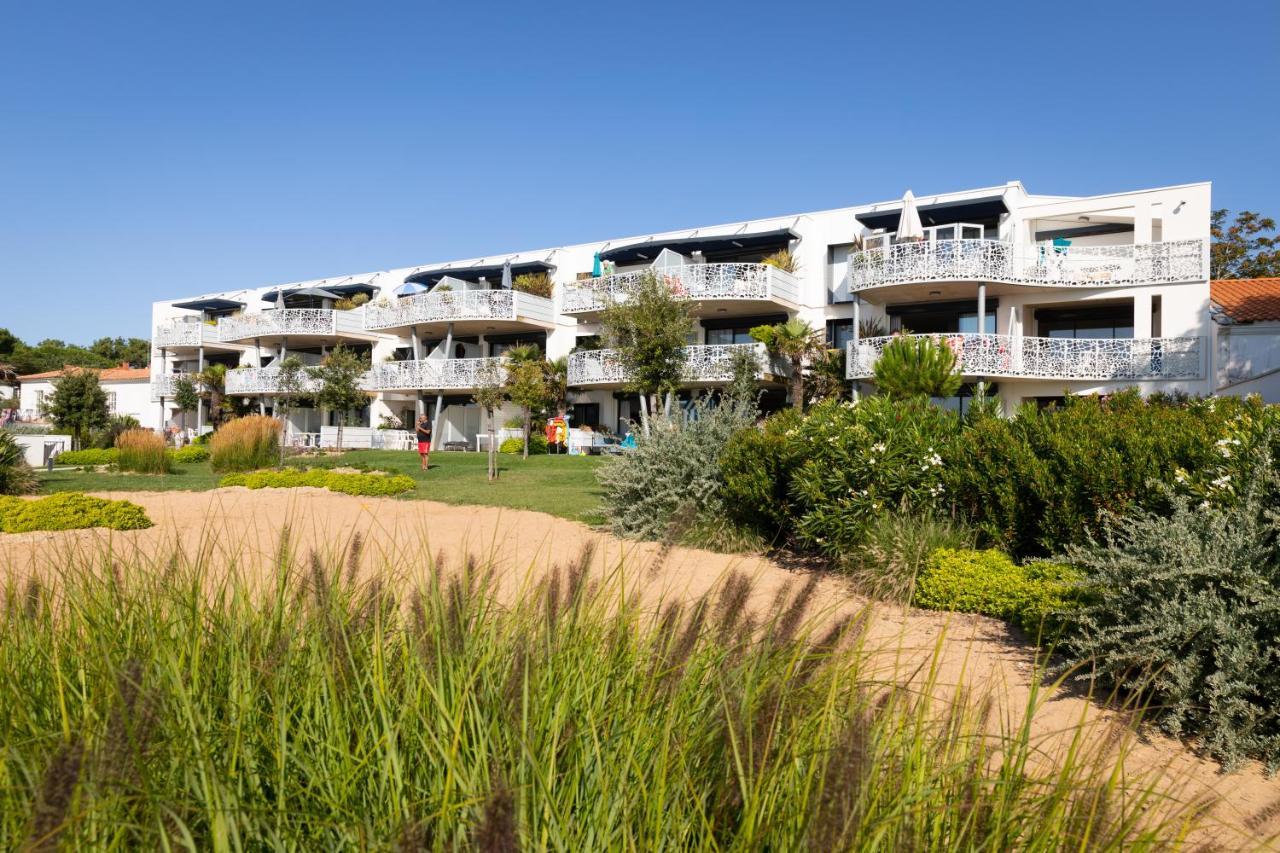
(325, 712)
(335, 481)
(191, 453)
(1039, 597)
(92, 456)
(537, 443)
(757, 465)
(245, 444)
(142, 451)
(69, 511)
(1185, 612)
(16, 476)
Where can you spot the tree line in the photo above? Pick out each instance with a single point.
(53, 354)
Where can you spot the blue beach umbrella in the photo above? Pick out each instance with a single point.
(595, 266)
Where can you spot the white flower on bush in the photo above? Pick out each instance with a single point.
(878, 447)
(1222, 482)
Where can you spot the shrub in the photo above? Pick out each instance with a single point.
(143, 451)
(1186, 612)
(334, 481)
(894, 550)
(1049, 478)
(757, 465)
(245, 444)
(191, 453)
(537, 444)
(94, 456)
(675, 468)
(69, 511)
(119, 424)
(536, 283)
(16, 476)
(1035, 596)
(865, 458)
(912, 366)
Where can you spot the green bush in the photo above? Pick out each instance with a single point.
(1034, 596)
(865, 458)
(1049, 478)
(191, 453)
(1185, 611)
(537, 444)
(757, 465)
(16, 476)
(334, 481)
(69, 511)
(246, 444)
(92, 456)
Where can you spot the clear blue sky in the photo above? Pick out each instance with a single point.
(151, 150)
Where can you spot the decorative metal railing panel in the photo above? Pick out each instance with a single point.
(693, 281)
(277, 321)
(166, 384)
(435, 307)
(1052, 358)
(434, 373)
(178, 333)
(262, 380)
(1046, 266)
(710, 363)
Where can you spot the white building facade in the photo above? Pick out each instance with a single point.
(128, 391)
(1041, 296)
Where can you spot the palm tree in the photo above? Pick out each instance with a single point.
(557, 384)
(827, 375)
(797, 342)
(214, 380)
(526, 384)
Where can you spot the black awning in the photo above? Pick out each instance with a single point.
(209, 304)
(490, 272)
(761, 241)
(339, 290)
(976, 210)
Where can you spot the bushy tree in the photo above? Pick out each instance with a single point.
(489, 395)
(186, 396)
(135, 352)
(827, 376)
(337, 380)
(797, 342)
(78, 404)
(917, 366)
(291, 383)
(213, 381)
(527, 384)
(1244, 248)
(744, 386)
(649, 329)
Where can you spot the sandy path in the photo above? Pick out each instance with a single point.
(246, 525)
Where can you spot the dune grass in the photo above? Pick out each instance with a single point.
(564, 486)
(172, 704)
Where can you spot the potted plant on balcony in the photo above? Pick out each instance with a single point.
(534, 283)
(782, 259)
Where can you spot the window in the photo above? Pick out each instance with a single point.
(586, 414)
(839, 333)
(111, 402)
(740, 335)
(1101, 322)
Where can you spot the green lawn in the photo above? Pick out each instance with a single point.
(559, 485)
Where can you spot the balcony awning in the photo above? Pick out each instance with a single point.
(338, 290)
(762, 241)
(209, 304)
(975, 210)
(491, 272)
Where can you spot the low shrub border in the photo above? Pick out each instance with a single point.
(191, 453)
(92, 456)
(334, 481)
(69, 511)
(1034, 596)
(537, 444)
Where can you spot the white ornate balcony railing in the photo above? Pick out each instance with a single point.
(166, 384)
(261, 380)
(178, 333)
(709, 363)
(1053, 358)
(693, 281)
(459, 305)
(1046, 266)
(278, 321)
(434, 373)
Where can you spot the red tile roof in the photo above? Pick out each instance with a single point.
(108, 374)
(1246, 300)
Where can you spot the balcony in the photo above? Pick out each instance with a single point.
(726, 283)
(704, 365)
(485, 306)
(184, 332)
(1034, 265)
(434, 374)
(1053, 358)
(165, 385)
(261, 380)
(291, 323)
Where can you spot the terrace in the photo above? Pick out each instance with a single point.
(260, 380)
(433, 374)
(704, 365)
(490, 310)
(731, 286)
(166, 385)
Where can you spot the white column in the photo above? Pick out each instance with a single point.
(419, 405)
(982, 309)
(436, 431)
(853, 352)
(1142, 314)
(164, 373)
(199, 400)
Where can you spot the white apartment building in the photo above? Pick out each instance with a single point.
(1041, 296)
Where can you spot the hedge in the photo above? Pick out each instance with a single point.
(92, 456)
(69, 511)
(537, 444)
(191, 453)
(1034, 596)
(351, 484)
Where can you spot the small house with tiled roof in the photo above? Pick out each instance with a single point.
(1246, 321)
(128, 392)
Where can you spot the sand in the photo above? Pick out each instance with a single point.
(982, 654)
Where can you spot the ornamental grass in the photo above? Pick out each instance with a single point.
(142, 451)
(173, 703)
(245, 444)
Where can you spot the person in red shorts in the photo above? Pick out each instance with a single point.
(424, 439)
